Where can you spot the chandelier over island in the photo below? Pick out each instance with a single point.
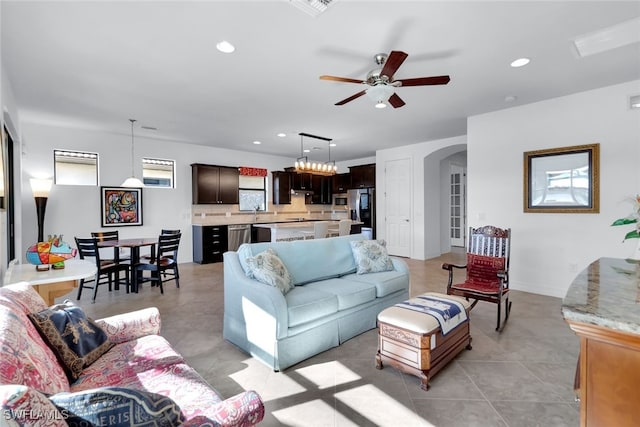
(303, 165)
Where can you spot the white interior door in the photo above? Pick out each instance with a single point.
(457, 205)
(398, 206)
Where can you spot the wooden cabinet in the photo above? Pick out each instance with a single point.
(363, 176)
(321, 186)
(341, 182)
(301, 181)
(209, 243)
(214, 184)
(281, 188)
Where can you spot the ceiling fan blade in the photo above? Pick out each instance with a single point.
(396, 101)
(351, 98)
(423, 81)
(393, 62)
(340, 79)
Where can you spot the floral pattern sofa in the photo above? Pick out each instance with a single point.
(141, 360)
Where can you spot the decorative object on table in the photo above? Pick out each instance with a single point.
(121, 206)
(132, 181)
(632, 218)
(562, 180)
(52, 252)
(40, 189)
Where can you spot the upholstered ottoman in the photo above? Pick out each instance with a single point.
(412, 341)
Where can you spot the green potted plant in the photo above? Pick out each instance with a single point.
(632, 218)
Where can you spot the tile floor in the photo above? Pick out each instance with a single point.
(522, 377)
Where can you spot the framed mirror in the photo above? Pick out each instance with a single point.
(562, 180)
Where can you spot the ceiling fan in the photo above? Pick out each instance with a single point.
(381, 83)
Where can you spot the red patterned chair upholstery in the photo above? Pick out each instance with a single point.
(487, 269)
(140, 360)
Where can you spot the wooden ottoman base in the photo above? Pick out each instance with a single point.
(423, 351)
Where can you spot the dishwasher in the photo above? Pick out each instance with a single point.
(237, 235)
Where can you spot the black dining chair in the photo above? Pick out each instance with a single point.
(119, 254)
(107, 269)
(165, 259)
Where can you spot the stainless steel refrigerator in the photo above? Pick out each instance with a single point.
(362, 207)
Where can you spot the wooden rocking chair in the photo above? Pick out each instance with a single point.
(487, 270)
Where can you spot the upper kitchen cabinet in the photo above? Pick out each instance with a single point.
(321, 186)
(341, 182)
(214, 184)
(281, 188)
(363, 176)
(301, 181)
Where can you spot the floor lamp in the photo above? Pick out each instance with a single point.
(40, 189)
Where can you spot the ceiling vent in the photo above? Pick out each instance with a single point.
(312, 7)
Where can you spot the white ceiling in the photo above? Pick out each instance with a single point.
(96, 64)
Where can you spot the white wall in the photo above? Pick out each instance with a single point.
(425, 235)
(548, 250)
(75, 210)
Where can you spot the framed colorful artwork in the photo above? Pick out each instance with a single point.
(121, 206)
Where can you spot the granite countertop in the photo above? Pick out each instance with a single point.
(607, 294)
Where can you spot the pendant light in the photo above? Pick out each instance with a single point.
(132, 181)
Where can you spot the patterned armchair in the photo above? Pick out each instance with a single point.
(140, 361)
(487, 270)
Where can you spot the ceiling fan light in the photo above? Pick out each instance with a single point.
(380, 104)
(380, 92)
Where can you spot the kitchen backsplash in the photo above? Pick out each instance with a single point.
(230, 214)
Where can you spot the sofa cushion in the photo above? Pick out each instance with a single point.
(385, 282)
(349, 293)
(117, 407)
(26, 359)
(371, 256)
(75, 338)
(267, 268)
(125, 361)
(305, 304)
(302, 257)
(24, 297)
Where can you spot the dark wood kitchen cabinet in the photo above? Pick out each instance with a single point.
(214, 184)
(281, 188)
(341, 182)
(209, 243)
(363, 176)
(321, 190)
(301, 181)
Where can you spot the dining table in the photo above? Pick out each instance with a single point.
(134, 244)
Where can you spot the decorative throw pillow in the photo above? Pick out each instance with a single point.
(117, 406)
(75, 339)
(267, 268)
(371, 256)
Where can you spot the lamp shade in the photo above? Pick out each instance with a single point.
(132, 181)
(40, 187)
(380, 92)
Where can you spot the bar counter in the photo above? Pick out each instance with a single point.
(602, 307)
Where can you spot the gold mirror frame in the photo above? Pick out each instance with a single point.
(562, 180)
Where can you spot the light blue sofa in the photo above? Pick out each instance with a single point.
(329, 304)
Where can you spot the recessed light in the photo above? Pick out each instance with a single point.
(520, 62)
(257, 142)
(333, 144)
(634, 101)
(306, 150)
(282, 134)
(225, 47)
(510, 98)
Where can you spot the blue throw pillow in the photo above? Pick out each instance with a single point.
(117, 407)
(75, 339)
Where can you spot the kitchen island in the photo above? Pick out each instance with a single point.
(282, 231)
(602, 307)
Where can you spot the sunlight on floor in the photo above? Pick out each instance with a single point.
(315, 412)
(329, 374)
